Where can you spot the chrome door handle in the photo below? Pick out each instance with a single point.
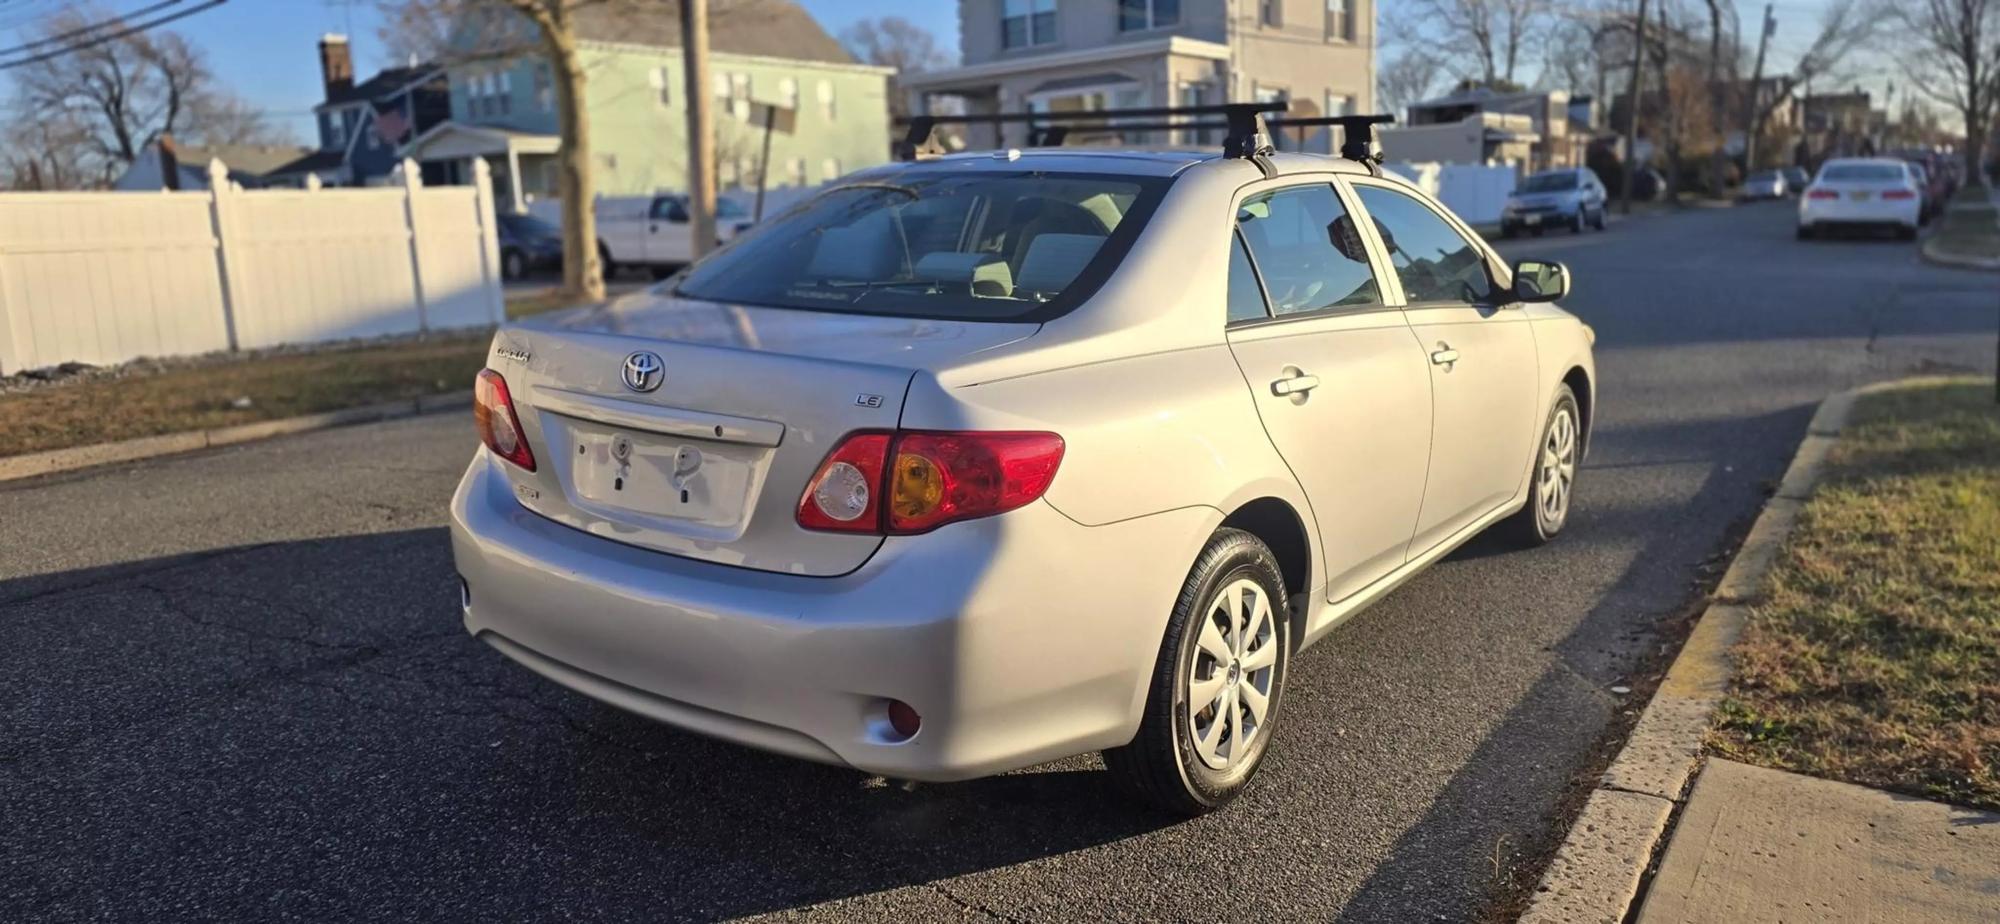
(1295, 385)
(1445, 355)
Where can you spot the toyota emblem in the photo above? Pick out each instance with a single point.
(643, 371)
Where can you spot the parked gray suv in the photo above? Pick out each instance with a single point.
(1568, 198)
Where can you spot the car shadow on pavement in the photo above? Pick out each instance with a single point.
(306, 726)
(1488, 833)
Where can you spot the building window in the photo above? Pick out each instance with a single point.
(1271, 12)
(1135, 15)
(488, 94)
(658, 79)
(797, 167)
(827, 105)
(1339, 105)
(829, 170)
(1338, 26)
(729, 176)
(788, 93)
(545, 88)
(1027, 22)
(336, 130)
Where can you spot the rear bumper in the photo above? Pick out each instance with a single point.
(1879, 213)
(1020, 639)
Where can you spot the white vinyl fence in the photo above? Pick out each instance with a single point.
(1475, 192)
(103, 277)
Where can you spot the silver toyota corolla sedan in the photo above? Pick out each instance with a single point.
(977, 462)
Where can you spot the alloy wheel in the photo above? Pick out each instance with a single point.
(1229, 686)
(1558, 469)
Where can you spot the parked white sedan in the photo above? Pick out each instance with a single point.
(984, 461)
(1862, 193)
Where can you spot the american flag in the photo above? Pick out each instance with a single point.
(391, 125)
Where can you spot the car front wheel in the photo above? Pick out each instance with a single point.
(1217, 683)
(512, 264)
(1556, 458)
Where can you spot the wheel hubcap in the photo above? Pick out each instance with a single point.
(1558, 468)
(1229, 682)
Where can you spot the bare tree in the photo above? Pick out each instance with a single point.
(1844, 28)
(40, 155)
(113, 98)
(1498, 32)
(1952, 55)
(893, 41)
(1407, 75)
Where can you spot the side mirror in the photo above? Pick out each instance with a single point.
(1540, 281)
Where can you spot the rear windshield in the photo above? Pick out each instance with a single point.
(528, 225)
(966, 246)
(1764, 177)
(1863, 173)
(1549, 182)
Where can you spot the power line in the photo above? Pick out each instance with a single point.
(111, 36)
(85, 30)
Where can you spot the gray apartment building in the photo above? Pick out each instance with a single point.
(1068, 55)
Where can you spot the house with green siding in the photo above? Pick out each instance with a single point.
(761, 52)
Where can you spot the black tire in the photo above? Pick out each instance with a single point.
(1906, 234)
(1509, 231)
(609, 266)
(1576, 224)
(1535, 524)
(1805, 233)
(1161, 765)
(1599, 222)
(513, 265)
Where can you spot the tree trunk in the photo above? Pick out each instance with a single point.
(1718, 164)
(583, 266)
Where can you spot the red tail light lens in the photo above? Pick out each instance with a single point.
(1822, 194)
(1899, 194)
(916, 481)
(499, 427)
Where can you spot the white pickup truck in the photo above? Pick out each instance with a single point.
(652, 231)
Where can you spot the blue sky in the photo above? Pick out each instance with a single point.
(265, 49)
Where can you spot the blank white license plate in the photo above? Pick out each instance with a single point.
(1858, 196)
(1531, 219)
(659, 476)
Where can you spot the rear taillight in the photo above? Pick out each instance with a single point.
(499, 427)
(1899, 194)
(915, 481)
(1822, 194)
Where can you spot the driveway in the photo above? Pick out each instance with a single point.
(235, 684)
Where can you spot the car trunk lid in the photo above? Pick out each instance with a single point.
(707, 455)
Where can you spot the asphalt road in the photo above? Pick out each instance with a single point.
(235, 684)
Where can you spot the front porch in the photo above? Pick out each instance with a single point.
(523, 164)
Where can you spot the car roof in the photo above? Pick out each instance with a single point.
(1884, 161)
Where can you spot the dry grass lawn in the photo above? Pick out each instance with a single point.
(1876, 659)
(201, 396)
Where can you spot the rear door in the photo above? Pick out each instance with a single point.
(1339, 380)
(1480, 351)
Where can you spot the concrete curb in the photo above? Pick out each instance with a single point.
(78, 457)
(1601, 865)
(1953, 261)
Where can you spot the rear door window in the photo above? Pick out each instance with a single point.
(1433, 261)
(1307, 251)
(1246, 297)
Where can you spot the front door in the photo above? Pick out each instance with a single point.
(1339, 380)
(1480, 351)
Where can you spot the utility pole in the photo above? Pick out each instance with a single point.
(1756, 94)
(1632, 111)
(700, 127)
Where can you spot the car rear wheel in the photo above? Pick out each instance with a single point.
(1556, 458)
(1805, 232)
(608, 266)
(1217, 684)
(1598, 223)
(512, 264)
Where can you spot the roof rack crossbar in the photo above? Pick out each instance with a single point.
(1243, 126)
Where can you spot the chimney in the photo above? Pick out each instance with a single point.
(336, 64)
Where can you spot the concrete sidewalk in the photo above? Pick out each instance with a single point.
(1756, 845)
